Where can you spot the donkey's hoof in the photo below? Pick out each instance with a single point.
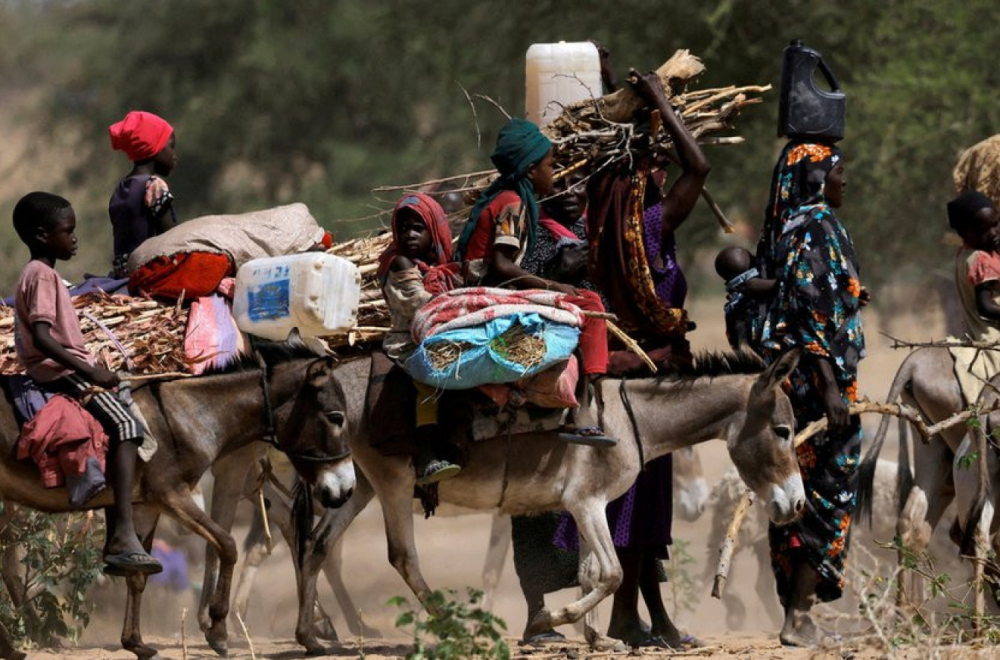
(219, 644)
(325, 630)
(311, 644)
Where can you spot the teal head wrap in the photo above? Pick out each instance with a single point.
(519, 146)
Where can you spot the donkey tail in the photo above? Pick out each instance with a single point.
(866, 472)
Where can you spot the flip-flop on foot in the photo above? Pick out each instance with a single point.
(589, 435)
(437, 471)
(546, 637)
(125, 563)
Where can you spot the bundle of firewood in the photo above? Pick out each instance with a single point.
(590, 135)
(151, 334)
(373, 313)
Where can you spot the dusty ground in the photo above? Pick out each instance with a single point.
(452, 552)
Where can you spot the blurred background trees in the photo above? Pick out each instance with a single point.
(322, 100)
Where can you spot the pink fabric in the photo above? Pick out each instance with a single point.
(60, 439)
(463, 308)
(41, 296)
(985, 267)
(553, 388)
(212, 338)
(557, 229)
(227, 287)
(141, 135)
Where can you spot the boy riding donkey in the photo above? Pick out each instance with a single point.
(50, 346)
(502, 228)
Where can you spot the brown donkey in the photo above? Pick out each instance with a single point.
(195, 421)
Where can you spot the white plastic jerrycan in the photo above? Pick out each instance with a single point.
(560, 74)
(314, 292)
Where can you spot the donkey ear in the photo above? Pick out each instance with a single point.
(319, 372)
(781, 369)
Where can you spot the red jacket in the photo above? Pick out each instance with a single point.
(60, 439)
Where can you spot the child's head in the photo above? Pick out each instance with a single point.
(46, 223)
(973, 216)
(145, 138)
(523, 151)
(413, 234)
(420, 229)
(732, 262)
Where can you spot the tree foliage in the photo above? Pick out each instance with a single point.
(322, 100)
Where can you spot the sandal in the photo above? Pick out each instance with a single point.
(437, 470)
(126, 563)
(588, 435)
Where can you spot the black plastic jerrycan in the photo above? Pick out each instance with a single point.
(805, 110)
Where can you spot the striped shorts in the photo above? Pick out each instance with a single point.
(110, 412)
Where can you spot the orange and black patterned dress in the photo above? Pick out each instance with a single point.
(817, 308)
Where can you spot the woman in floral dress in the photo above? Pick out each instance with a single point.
(817, 310)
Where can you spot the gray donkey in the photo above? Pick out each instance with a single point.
(536, 472)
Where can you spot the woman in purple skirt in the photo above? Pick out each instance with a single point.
(634, 263)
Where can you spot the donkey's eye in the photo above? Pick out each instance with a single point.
(783, 431)
(334, 417)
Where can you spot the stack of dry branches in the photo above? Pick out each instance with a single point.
(373, 313)
(150, 333)
(591, 135)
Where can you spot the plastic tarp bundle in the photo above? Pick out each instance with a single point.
(212, 338)
(474, 323)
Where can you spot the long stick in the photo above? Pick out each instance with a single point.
(424, 184)
(631, 345)
(728, 548)
(727, 226)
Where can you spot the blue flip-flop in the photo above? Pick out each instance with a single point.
(133, 561)
(588, 435)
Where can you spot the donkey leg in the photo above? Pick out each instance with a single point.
(231, 475)
(144, 519)
(181, 507)
(397, 510)
(496, 557)
(333, 570)
(600, 573)
(933, 490)
(328, 532)
(255, 551)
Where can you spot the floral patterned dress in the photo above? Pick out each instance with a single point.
(817, 308)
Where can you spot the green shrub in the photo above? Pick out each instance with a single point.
(61, 560)
(455, 631)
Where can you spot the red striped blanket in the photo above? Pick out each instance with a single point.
(464, 308)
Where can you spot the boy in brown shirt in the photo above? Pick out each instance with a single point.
(49, 343)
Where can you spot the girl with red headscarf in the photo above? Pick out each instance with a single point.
(141, 205)
(414, 268)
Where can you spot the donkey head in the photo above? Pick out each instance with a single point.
(762, 448)
(315, 438)
(690, 486)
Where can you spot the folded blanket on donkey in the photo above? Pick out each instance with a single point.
(478, 336)
(193, 257)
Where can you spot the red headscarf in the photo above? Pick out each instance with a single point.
(440, 273)
(141, 135)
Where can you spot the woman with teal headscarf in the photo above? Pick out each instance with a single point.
(504, 221)
(501, 230)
